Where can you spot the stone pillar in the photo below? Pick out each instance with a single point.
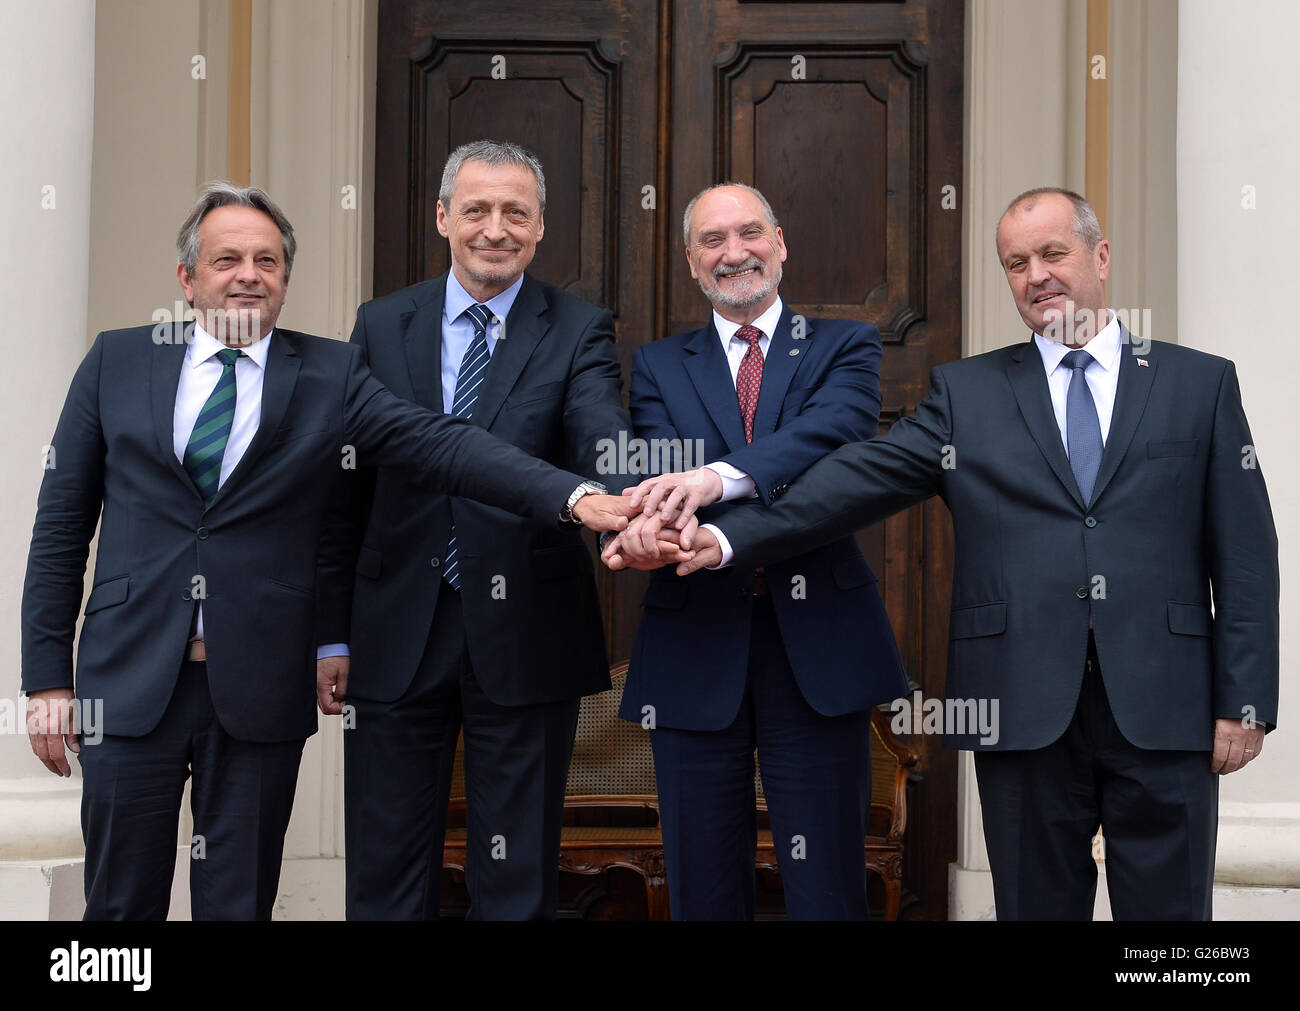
(1238, 215)
(46, 113)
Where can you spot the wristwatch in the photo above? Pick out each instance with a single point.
(586, 488)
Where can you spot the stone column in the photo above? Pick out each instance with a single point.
(1238, 216)
(46, 113)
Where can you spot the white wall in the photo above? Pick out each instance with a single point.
(1237, 98)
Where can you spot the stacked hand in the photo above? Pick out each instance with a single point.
(666, 529)
(605, 512)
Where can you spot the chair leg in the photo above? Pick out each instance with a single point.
(656, 887)
(893, 897)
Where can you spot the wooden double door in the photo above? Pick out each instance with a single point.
(847, 115)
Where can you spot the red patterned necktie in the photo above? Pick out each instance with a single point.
(749, 377)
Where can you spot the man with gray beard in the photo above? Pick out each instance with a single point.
(788, 660)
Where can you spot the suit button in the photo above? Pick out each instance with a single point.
(185, 594)
(435, 562)
(202, 533)
(1090, 521)
(1081, 592)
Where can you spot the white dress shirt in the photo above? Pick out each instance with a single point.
(735, 482)
(199, 374)
(1102, 375)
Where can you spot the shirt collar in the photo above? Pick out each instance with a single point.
(205, 346)
(1104, 348)
(457, 299)
(766, 322)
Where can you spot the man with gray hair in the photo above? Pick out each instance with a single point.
(442, 616)
(786, 661)
(206, 454)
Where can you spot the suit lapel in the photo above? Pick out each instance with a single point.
(778, 369)
(282, 364)
(524, 329)
(1131, 394)
(422, 341)
(164, 381)
(1029, 383)
(707, 367)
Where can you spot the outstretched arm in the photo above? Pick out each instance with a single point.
(463, 459)
(855, 486)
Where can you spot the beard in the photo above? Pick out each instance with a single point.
(493, 274)
(751, 294)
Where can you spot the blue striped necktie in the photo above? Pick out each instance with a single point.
(207, 445)
(468, 380)
(1082, 425)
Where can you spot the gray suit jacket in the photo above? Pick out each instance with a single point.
(1174, 560)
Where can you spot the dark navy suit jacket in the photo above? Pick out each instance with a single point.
(819, 391)
(251, 554)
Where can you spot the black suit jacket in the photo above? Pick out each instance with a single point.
(250, 556)
(1179, 521)
(528, 593)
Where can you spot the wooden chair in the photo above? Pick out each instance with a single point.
(612, 772)
(611, 779)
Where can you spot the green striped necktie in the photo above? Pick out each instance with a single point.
(207, 445)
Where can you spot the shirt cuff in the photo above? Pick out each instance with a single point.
(723, 544)
(332, 649)
(735, 482)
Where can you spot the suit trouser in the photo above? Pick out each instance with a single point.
(1158, 811)
(816, 778)
(398, 762)
(241, 799)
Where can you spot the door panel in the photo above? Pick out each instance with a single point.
(847, 115)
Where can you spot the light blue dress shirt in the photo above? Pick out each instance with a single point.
(457, 332)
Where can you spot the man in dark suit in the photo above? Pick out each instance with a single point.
(458, 615)
(790, 659)
(1115, 591)
(207, 464)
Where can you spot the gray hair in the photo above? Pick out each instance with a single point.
(494, 153)
(224, 194)
(1086, 225)
(686, 215)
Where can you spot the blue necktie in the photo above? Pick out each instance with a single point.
(207, 446)
(1082, 427)
(468, 380)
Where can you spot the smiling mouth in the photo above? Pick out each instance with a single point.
(1047, 298)
(740, 273)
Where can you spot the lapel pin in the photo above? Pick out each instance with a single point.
(1143, 363)
(793, 352)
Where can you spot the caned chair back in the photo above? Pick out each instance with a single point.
(611, 757)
